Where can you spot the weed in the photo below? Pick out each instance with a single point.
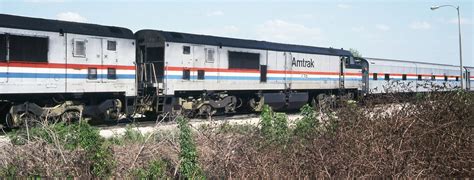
(189, 165)
(308, 124)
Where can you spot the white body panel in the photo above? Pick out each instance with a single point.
(281, 74)
(65, 73)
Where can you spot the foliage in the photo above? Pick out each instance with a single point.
(155, 170)
(131, 135)
(308, 124)
(189, 165)
(274, 126)
(355, 52)
(74, 136)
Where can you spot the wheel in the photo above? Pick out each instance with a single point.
(206, 111)
(71, 116)
(27, 119)
(9, 121)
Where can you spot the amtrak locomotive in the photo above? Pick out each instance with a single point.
(67, 70)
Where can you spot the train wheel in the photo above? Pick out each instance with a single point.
(9, 121)
(206, 111)
(27, 120)
(71, 116)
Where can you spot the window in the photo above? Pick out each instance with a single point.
(79, 48)
(201, 74)
(387, 77)
(27, 48)
(186, 50)
(209, 55)
(404, 77)
(3, 48)
(186, 74)
(419, 77)
(242, 60)
(375, 76)
(111, 45)
(457, 78)
(111, 73)
(433, 77)
(92, 73)
(445, 78)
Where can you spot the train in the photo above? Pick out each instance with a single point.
(69, 70)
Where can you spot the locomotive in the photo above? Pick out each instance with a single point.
(68, 70)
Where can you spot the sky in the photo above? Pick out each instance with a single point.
(391, 29)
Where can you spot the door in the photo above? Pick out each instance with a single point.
(341, 72)
(109, 60)
(94, 57)
(3, 59)
(365, 75)
(288, 69)
(468, 80)
(197, 72)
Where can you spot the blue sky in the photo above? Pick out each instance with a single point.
(394, 29)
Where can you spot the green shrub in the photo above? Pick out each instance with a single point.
(266, 118)
(71, 137)
(280, 128)
(189, 165)
(131, 135)
(273, 126)
(308, 124)
(155, 170)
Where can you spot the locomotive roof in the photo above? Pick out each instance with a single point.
(20, 22)
(407, 61)
(245, 43)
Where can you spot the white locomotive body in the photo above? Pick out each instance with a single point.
(188, 65)
(41, 60)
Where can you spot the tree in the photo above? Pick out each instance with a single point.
(355, 53)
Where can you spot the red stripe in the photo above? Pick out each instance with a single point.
(174, 68)
(62, 66)
(424, 75)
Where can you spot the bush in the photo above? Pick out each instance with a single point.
(274, 126)
(155, 170)
(131, 135)
(72, 137)
(308, 125)
(189, 165)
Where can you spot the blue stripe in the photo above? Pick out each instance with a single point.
(61, 76)
(400, 79)
(246, 78)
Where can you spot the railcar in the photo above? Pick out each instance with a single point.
(390, 75)
(58, 69)
(210, 74)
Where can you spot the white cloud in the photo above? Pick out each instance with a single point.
(382, 27)
(358, 28)
(281, 31)
(463, 21)
(344, 6)
(420, 25)
(70, 16)
(215, 13)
